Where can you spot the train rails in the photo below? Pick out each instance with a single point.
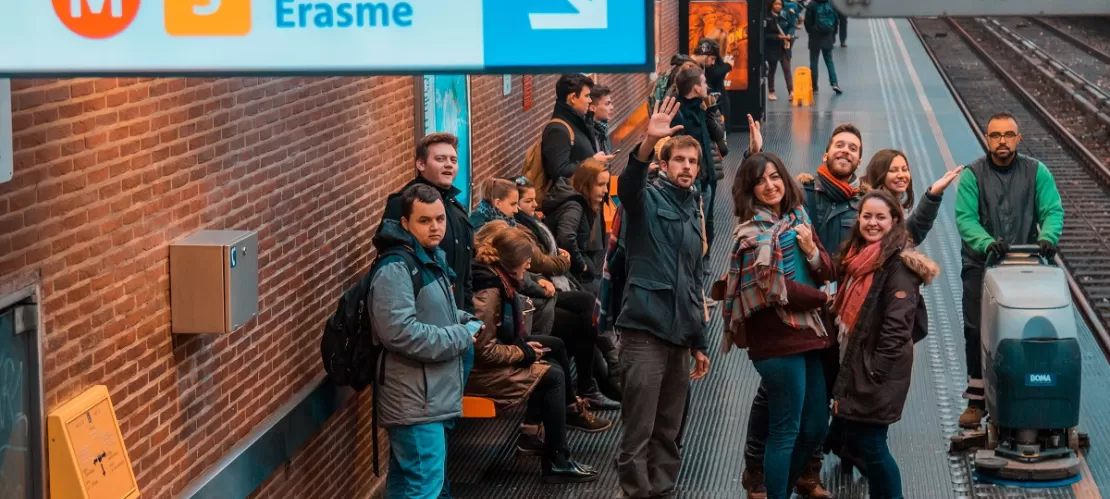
(1051, 85)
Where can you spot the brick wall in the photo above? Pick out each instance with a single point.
(108, 172)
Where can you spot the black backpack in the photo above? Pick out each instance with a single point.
(347, 346)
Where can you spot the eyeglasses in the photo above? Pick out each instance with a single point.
(1007, 135)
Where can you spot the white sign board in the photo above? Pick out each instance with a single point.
(106, 37)
(6, 163)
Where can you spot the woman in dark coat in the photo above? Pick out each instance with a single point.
(572, 210)
(776, 44)
(876, 309)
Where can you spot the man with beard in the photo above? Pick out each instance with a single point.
(1002, 199)
(832, 201)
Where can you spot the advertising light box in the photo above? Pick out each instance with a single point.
(333, 37)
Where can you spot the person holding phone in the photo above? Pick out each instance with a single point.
(513, 367)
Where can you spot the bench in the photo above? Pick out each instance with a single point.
(478, 408)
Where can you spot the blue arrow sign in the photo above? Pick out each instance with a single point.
(229, 37)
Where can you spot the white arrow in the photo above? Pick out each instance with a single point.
(592, 14)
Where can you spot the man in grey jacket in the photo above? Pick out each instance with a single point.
(663, 318)
(424, 335)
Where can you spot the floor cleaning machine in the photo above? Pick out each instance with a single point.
(1032, 371)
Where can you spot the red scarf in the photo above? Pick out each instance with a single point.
(859, 270)
(844, 187)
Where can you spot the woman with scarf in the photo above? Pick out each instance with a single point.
(511, 366)
(876, 317)
(773, 308)
(595, 356)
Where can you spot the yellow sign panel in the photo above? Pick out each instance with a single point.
(87, 457)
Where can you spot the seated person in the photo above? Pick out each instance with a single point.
(508, 366)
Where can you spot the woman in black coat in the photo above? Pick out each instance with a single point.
(876, 313)
(572, 210)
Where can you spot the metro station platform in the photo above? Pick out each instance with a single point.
(894, 94)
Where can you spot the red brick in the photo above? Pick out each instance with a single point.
(110, 171)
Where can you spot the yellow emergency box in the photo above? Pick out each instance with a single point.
(87, 457)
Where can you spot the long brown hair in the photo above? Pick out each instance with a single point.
(744, 202)
(585, 176)
(898, 235)
(498, 244)
(880, 166)
(496, 189)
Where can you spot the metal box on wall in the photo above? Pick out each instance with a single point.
(213, 281)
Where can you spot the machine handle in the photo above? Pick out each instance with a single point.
(1018, 251)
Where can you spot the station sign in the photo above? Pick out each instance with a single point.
(330, 37)
(964, 8)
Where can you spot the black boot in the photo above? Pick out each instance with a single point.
(560, 468)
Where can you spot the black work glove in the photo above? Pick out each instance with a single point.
(999, 248)
(1048, 250)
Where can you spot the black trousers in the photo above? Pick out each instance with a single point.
(548, 402)
(575, 326)
(972, 277)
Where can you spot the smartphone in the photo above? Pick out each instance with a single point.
(545, 349)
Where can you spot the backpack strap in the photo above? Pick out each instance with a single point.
(570, 131)
(390, 255)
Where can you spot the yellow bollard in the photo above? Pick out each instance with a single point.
(803, 86)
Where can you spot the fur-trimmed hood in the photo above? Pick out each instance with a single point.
(920, 264)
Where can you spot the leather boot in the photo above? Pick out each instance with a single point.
(972, 417)
(809, 484)
(752, 481)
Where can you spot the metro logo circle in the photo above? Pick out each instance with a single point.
(96, 18)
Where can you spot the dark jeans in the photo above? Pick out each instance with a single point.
(843, 28)
(816, 70)
(797, 403)
(656, 377)
(547, 405)
(772, 68)
(884, 480)
(972, 301)
(575, 326)
(558, 358)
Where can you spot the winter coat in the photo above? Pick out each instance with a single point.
(422, 333)
(458, 241)
(567, 214)
(665, 244)
(505, 367)
(877, 366)
(818, 40)
(697, 123)
(560, 159)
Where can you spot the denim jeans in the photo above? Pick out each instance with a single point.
(417, 461)
(884, 480)
(816, 70)
(799, 417)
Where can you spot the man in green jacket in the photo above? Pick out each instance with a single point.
(1003, 199)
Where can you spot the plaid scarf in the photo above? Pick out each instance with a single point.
(756, 279)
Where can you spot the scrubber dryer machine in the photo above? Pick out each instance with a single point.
(1032, 371)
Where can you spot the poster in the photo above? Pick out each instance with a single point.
(726, 22)
(6, 163)
(447, 109)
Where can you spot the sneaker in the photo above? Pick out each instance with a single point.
(752, 481)
(972, 417)
(790, 97)
(580, 418)
(771, 96)
(836, 88)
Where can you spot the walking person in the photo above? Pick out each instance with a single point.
(877, 315)
(662, 323)
(776, 47)
(822, 22)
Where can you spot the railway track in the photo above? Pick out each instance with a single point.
(1064, 118)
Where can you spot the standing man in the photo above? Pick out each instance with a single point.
(822, 22)
(437, 164)
(563, 149)
(424, 335)
(1002, 200)
(832, 201)
(663, 319)
(601, 111)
